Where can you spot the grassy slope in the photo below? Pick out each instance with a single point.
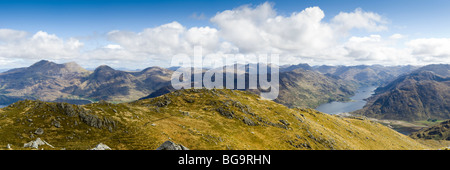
(197, 119)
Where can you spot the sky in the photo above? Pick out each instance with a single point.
(138, 34)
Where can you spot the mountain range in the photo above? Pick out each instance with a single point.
(297, 88)
(300, 85)
(49, 81)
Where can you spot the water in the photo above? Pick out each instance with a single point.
(2, 106)
(343, 107)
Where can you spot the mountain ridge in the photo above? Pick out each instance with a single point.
(420, 95)
(196, 118)
(49, 81)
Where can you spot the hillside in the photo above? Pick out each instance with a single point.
(440, 131)
(420, 95)
(49, 81)
(306, 88)
(196, 118)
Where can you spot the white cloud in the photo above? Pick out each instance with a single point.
(163, 42)
(359, 19)
(260, 29)
(301, 36)
(375, 50)
(397, 36)
(113, 46)
(430, 49)
(8, 35)
(18, 46)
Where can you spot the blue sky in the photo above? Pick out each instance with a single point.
(90, 21)
(77, 18)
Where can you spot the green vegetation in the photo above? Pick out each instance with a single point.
(196, 118)
(439, 131)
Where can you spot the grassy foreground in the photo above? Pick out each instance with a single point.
(199, 119)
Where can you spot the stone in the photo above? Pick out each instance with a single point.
(248, 121)
(285, 122)
(39, 131)
(56, 123)
(169, 145)
(101, 146)
(36, 143)
(225, 112)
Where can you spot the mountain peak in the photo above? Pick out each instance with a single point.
(42, 63)
(104, 68)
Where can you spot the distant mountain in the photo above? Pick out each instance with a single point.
(198, 119)
(49, 81)
(439, 131)
(365, 74)
(303, 66)
(298, 88)
(420, 95)
(43, 80)
(307, 88)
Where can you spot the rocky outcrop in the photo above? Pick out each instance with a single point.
(36, 143)
(169, 145)
(101, 146)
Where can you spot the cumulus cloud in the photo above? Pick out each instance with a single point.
(302, 36)
(163, 42)
(359, 19)
(18, 45)
(260, 29)
(397, 36)
(430, 49)
(8, 35)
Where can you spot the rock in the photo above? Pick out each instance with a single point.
(36, 143)
(248, 121)
(101, 146)
(56, 123)
(169, 145)
(225, 112)
(285, 122)
(39, 131)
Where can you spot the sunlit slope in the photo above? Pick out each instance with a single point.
(195, 118)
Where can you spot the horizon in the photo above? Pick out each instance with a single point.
(2, 70)
(140, 34)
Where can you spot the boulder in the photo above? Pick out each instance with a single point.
(36, 143)
(39, 131)
(169, 145)
(101, 146)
